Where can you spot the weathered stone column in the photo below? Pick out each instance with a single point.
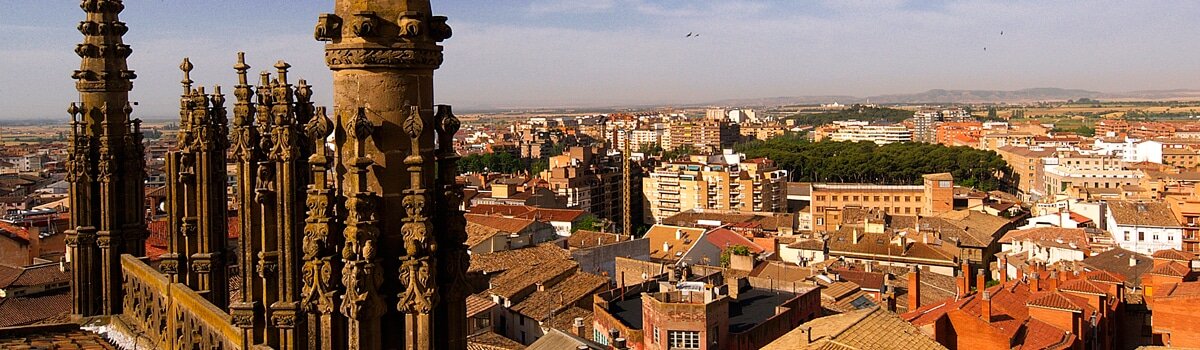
(403, 253)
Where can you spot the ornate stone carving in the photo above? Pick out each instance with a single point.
(329, 27)
(410, 25)
(439, 30)
(383, 57)
(365, 24)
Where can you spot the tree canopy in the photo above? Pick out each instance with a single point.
(498, 162)
(893, 164)
(856, 112)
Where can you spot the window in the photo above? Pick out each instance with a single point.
(655, 339)
(1126, 236)
(944, 184)
(855, 198)
(599, 337)
(1141, 236)
(876, 198)
(683, 339)
(820, 221)
(1156, 237)
(820, 198)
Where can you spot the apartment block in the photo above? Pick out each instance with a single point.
(723, 182)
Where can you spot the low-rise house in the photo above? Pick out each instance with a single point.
(563, 220)
(1144, 227)
(487, 233)
(1050, 245)
(530, 286)
(35, 294)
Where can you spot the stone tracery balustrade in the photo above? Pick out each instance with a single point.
(171, 315)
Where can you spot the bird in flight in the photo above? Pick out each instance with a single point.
(689, 35)
(1001, 32)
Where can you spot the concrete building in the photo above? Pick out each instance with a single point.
(1027, 165)
(722, 182)
(853, 131)
(707, 136)
(590, 180)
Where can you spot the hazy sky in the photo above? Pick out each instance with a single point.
(509, 53)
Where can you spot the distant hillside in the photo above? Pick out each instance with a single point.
(938, 96)
(987, 96)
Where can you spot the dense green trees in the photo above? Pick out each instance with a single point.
(499, 162)
(865, 162)
(856, 112)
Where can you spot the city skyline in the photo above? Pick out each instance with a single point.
(562, 53)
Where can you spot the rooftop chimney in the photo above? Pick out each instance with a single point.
(854, 236)
(986, 308)
(962, 285)
(577, 326)
(618, 344)
(1053, 280)
(1133, 260)
(914, 288)
(981, 281)
(890, 297)
(1033, 282)
(1003, 267)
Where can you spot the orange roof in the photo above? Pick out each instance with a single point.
(724, 238)
(1172, 268)
(1059, 301)
(1174, 255)
(1083, 286)
(510, 225)
(660, 235)
(15, 231)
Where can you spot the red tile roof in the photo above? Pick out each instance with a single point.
(1083, 286)
(1175, 255)
(1059, 301)
(17, 232)
(1172, 268)
(724, 238)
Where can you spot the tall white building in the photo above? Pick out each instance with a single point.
(863, 131)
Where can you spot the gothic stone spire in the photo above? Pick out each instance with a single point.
(404, 255)
(106, 165)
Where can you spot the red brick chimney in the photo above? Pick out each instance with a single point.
(35, 244)
(1003, 268)
(963, 282)
(914, 288)
(1033, 282)
(577, 326)
(980, 282)
(985, 311)
(1052, 282)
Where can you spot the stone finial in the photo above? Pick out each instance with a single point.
(282, 68)
(241, 67)
(186, 67)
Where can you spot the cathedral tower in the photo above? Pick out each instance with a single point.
(106, 166)
(404, 257)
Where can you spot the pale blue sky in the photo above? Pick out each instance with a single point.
(516, 53)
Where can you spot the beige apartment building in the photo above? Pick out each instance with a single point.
(703, 135)
(1027, 165)
(725, 182)
(934, 196)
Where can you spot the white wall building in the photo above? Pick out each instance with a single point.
(1143, 227)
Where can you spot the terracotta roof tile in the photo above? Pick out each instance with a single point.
(1172, 268)
(1113, 266)
(1174, 255)
(1184, 289)
(1156, 214)
(492, 341)
(53, 337)
(589, 239)
(36, 275)
(1042, 335)
(1058, 300)
(28, 310)
(723, 238)
(509, 225)
(865, 329)
(1083, 286)
(541, 305)
(659, 235)
(477, 305)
